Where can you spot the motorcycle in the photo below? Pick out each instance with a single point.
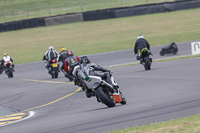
(8, 68)
(1, 69)
(145, 58)
(103, 91)
(54, 68)
(167, 50)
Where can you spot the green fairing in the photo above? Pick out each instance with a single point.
(143, 50)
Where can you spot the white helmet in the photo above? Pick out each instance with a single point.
(140, 36)
(5, 54)
(51, 47)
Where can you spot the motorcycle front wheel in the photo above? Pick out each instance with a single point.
(10, 73)
(105, 97)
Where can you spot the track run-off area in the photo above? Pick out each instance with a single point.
(33, 102)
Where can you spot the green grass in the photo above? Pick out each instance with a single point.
(101, 36)
(24, 9)
(184, 125)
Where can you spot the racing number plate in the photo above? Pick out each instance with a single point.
(54, 65)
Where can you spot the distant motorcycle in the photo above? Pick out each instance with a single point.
(1, 69)
(8, 68)
(54, 68)
(145, 58)
(173, 49)
(104, 92)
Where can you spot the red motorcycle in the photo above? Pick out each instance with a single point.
(8, 65)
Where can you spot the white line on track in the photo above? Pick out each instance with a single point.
(31, 113)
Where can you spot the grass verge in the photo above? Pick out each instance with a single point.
(184, 125)
(23, 9)
(101, 36)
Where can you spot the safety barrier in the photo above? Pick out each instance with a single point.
(62, 19)
(23, 24)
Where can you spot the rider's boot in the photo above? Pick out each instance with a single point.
(89, 93)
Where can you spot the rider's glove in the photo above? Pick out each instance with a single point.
(138, 58)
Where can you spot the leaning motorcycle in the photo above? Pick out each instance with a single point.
(145, 58)
(54, 68)
(104, 92)
(8, 68)
(166, 50)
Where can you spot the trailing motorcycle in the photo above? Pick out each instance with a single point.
(173, 49)
(145, 58)
(103, 91)
(8, 65)
(1, 69)
(54, 68)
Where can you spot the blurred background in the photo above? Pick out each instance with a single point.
(13, 10)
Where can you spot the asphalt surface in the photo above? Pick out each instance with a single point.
(170, 90)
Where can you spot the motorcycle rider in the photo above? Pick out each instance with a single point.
(102, 72)
(70, 63)
(140, 44)
(7, 58)
(172, 45)
(62, 57)
(1, 67)
(49, 55)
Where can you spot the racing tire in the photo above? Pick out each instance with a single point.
(147, 65)
(10, 73)
(123, 102)
(162, 53)
(175, 51)
(105, 98)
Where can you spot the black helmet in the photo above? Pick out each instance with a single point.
(70, 53)
(84, 59)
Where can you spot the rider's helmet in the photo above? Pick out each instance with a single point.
(173, 43)
(63, 49)
(51, 47)
(84, 59)
(70, 53)
(140, 36)
(5, 54)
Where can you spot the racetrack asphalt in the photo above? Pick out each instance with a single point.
(170, 90)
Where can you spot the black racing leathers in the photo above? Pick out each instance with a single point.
(51, 54)
(62, 57)
(140, 44)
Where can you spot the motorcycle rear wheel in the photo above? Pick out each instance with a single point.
(105, 97)
(54, 73)
(123, 99)
(147, 65)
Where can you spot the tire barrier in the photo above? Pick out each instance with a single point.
(17, 25)
(100, 14)
(157, 8)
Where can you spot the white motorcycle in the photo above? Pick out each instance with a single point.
(104, 92)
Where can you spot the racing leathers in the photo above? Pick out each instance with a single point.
(70, 63)
(172, 46)
(7, 59)
(95, 70)
(62, 57)
(139, 45)
(50, 55)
